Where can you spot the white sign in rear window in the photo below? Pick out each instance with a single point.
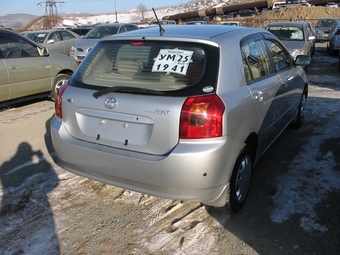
(172, 61)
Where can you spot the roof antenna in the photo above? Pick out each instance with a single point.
(161, 29)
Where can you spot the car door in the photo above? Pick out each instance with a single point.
(266, 88)
(4, 84)
(69, 40)
(55, 43)
(28, 72)
(292, 83)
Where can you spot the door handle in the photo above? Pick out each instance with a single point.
(286, 81)
(259, 96)
(13, 67)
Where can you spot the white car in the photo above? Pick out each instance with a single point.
(332, 4)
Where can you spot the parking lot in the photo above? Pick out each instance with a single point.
(293, 206)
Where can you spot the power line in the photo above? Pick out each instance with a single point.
(51, 18)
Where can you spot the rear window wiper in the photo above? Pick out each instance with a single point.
(126, 89)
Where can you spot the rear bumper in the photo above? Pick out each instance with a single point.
(322, 37)
(192, 171)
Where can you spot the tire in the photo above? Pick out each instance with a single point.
(301, 112)
(240, 182)
(60, 79)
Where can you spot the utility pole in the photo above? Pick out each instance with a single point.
(116, 11)
(51, 13)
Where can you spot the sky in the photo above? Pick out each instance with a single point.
(38, 7)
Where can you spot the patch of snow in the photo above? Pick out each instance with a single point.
(310, 178)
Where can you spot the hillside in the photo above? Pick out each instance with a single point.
(312, 14)
(16, 21)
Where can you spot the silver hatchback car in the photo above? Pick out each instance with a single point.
(182, 114)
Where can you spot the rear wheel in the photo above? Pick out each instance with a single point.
(60, 79)
(240, 182)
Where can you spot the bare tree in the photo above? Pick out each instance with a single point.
(142, 8)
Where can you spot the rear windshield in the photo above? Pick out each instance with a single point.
(293, 33)
(155, 65)
(327, 22)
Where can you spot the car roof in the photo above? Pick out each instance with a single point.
(289, 23)
(202, 31)
(44, 31)
(329, 18)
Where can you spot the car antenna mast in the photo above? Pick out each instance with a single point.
(161, 29)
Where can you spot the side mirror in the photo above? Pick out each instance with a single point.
(302, 60)
(50, 41)
(43, 52)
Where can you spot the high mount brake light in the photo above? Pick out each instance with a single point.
(201, 117)
(58, 100)
(142, 44)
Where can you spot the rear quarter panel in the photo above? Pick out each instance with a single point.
(61, 62)
(240, 116)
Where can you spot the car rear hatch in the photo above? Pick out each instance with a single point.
(129, 94)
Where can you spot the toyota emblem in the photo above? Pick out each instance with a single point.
(110, 103)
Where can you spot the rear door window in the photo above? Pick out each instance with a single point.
(281, 57)
(155, 65)
(256, 61)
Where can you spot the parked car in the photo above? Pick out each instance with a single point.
(196, 22)
(183, 114)
(243, 13)
(331, 4)
(323, 27)
(277, 5)
(8, 28)
(57, 40)
(231, 23)
(162, 22)
(297, 36)
(29, 70)
(80, 49)
(82, 30)
(333, 42)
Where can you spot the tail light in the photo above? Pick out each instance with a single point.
(58, 100)
(201, 117)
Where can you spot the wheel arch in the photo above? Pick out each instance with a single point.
(65, 71)
(62, 72)
(252, 143)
